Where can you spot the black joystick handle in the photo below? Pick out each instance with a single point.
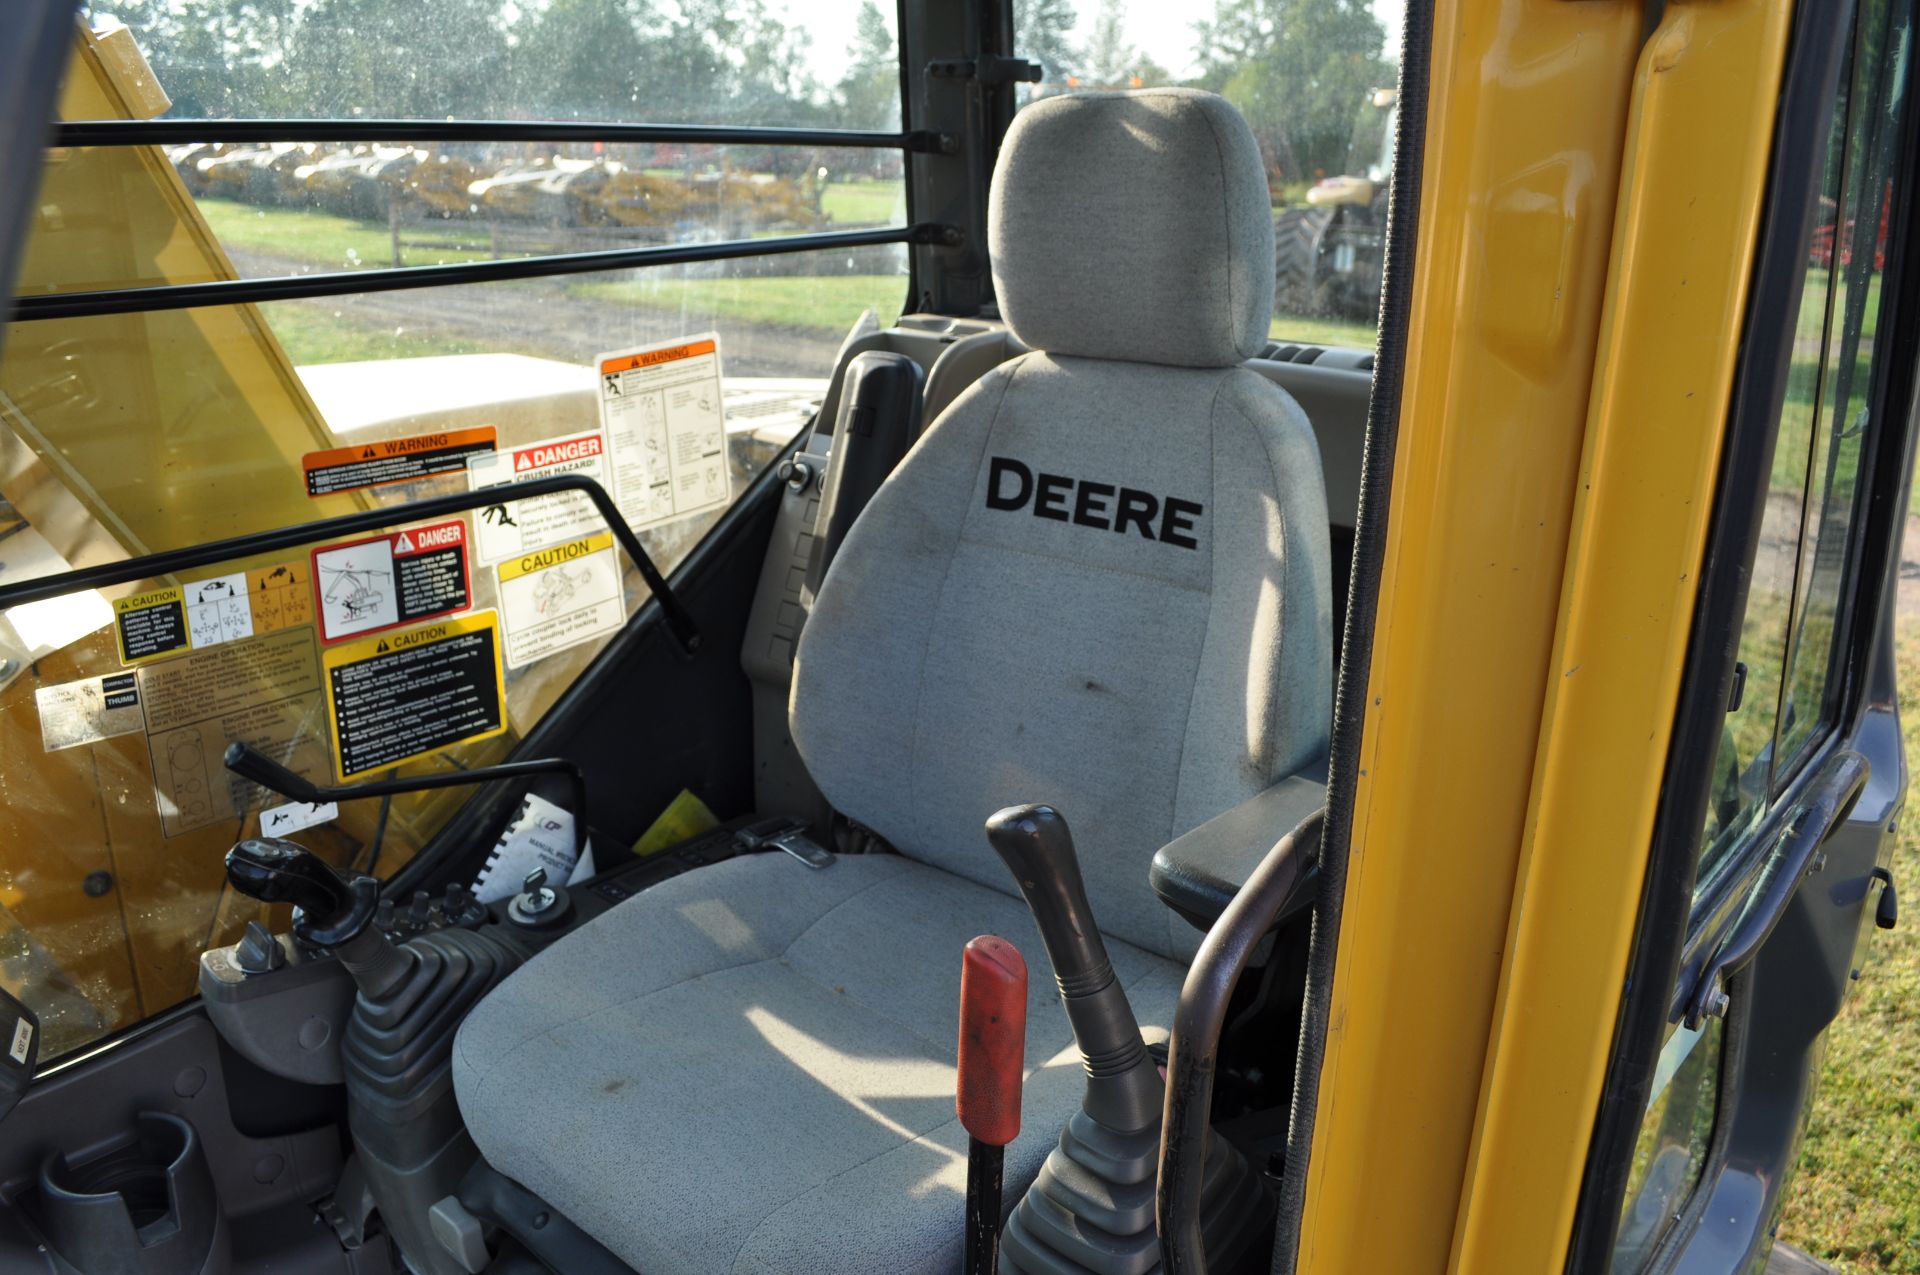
(329, 911)
(1123, 1087)
(276, 871)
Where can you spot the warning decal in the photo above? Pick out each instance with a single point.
(151, 624)
(393, 460)
(75, 713)
(264, 691)
(514, 527)
(382, 582)
(559, 597)
(404, 695)
(666, 429)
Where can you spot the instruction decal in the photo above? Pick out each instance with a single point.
(149, 625)
(403, 695)
(394, 460)
(22, 1041)
(383, 582)
(666, 429)
(264, 692)
(204, 613)
(281, 597)
(218, 610)
(297, 816)
(559, 597)
(76, 713)
(514, 527)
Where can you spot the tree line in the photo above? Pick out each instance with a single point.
(1298, 69)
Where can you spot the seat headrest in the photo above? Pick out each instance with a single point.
(1134, 226)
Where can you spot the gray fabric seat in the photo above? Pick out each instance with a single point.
(759, 1072)
(1100, 579)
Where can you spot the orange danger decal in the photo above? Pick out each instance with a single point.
(394, 460)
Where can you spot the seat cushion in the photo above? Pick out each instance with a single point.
(750, 1067)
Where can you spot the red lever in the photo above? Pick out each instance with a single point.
(993, 1039)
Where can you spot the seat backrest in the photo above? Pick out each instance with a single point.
(1100, 578)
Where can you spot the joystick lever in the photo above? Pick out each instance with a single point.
(330, 911)
(1123, 1085)
(1091, 1207)
(275, 871)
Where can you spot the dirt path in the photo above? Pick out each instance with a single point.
(537, 317)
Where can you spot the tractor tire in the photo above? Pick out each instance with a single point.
(1297, 285)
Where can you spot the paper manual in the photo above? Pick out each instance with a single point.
(540, 837)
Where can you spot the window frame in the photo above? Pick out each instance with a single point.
(1672, 926)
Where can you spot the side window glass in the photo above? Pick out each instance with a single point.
(1316, 89)
(1853, 255)
(1672, 1147)
(1743, 768)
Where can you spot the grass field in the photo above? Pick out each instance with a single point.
(314, 332)
(340, 243)
(863, 203)
(1287, 327)
(823, 303)
(1855, 1198)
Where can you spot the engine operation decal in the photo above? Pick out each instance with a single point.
(514, 527)
(559, 597)
(398, 696)
(394, 460)
(383, 582)
(263, 691)
(666, 429)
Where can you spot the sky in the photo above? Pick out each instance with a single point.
(1163, 31)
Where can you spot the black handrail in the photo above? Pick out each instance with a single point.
(173, 132)
(183, 296)
(250, 763)
(1193, 1052)
(148, 566)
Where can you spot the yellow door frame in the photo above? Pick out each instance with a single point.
(1586, 232)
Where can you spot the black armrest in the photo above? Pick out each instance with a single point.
(1198, 873)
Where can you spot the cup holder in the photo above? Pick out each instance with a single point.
(145, 1206)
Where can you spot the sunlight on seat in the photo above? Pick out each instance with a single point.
(882, 1078)
(719, 922)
